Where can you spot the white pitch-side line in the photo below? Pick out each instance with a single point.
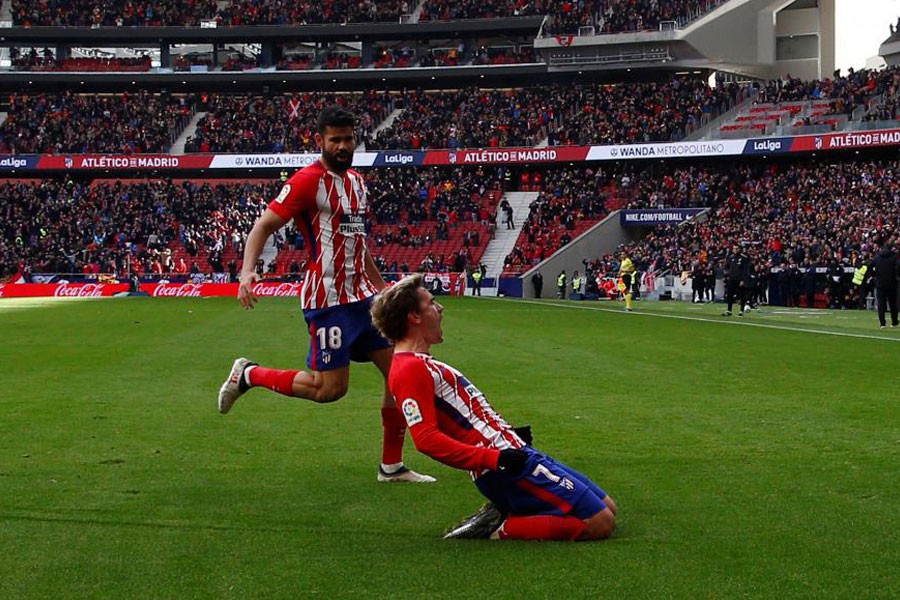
(719, 321)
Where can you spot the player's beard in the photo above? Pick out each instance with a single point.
(338, 161)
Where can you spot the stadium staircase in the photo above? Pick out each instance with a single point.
(3, 116)
(5, 10)
(711, 129)
(414, 17)
(800, 117)
(505, 239)
(388, 121)
(189, 130)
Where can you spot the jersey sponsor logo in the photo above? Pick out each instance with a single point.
(283, 194)
(352, 225)
(411, 412)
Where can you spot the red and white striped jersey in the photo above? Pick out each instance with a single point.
(330, 212)
(449, 419)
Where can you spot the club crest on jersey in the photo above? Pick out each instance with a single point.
(283, 194)
(411, 411)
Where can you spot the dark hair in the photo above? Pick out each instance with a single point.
(395, 304)
(335, 116)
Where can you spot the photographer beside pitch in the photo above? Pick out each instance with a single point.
(532, 496)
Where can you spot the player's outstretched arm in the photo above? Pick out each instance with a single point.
(262, 230)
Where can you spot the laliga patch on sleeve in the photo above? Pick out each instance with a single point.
(411, 411)
(284, 193)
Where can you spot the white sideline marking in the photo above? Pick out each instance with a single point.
(737, 322)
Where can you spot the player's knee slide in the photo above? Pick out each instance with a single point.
(600, 526)
(330, 395)
(610, 504)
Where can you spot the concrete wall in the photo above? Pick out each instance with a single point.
(738, 37)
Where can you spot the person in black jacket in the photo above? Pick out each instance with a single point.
(738, 278)
(885, 269)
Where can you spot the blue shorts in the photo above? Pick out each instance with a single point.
(546, 487)
(339, 334)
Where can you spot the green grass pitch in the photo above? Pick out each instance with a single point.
(755, 457)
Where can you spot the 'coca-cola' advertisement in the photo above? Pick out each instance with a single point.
(61, 290)
(447, 284)
(157, 290)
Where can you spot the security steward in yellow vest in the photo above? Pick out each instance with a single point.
(626, 274)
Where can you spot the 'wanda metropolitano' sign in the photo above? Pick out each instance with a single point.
(476, 156)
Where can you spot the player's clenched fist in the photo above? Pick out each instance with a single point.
(245, 290)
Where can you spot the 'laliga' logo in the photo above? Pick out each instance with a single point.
(411, 412)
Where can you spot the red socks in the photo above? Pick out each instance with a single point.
(394, 431)
(541, 527)
(273, 379)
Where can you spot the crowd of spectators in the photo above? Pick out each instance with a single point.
(46, 61)
(607, 16)
(504, 55)
(241, 63)
(787, 217)
(296, 62)
(110, 13)
(396, 57)
(876, 91)
(617, 16)
(342, 60)
(279, 123)
(449, 209)
(569, 200)
(444, 10)
(64, 226)
(561, 115)
(442, 57)
(67, 122)
(468, 118)
(554, 115)
(638, 112)
(437, 216)
(285, 12)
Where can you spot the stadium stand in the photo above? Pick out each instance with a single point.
(606, 16)
(787, 216)
(278, 12)
(45, 61)
(438, 218)
(561, 115)
(618, 16)
(570, 202)
(792, 106)
(236, 123)
(108, 226)
(107, 13)
(125, 123)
